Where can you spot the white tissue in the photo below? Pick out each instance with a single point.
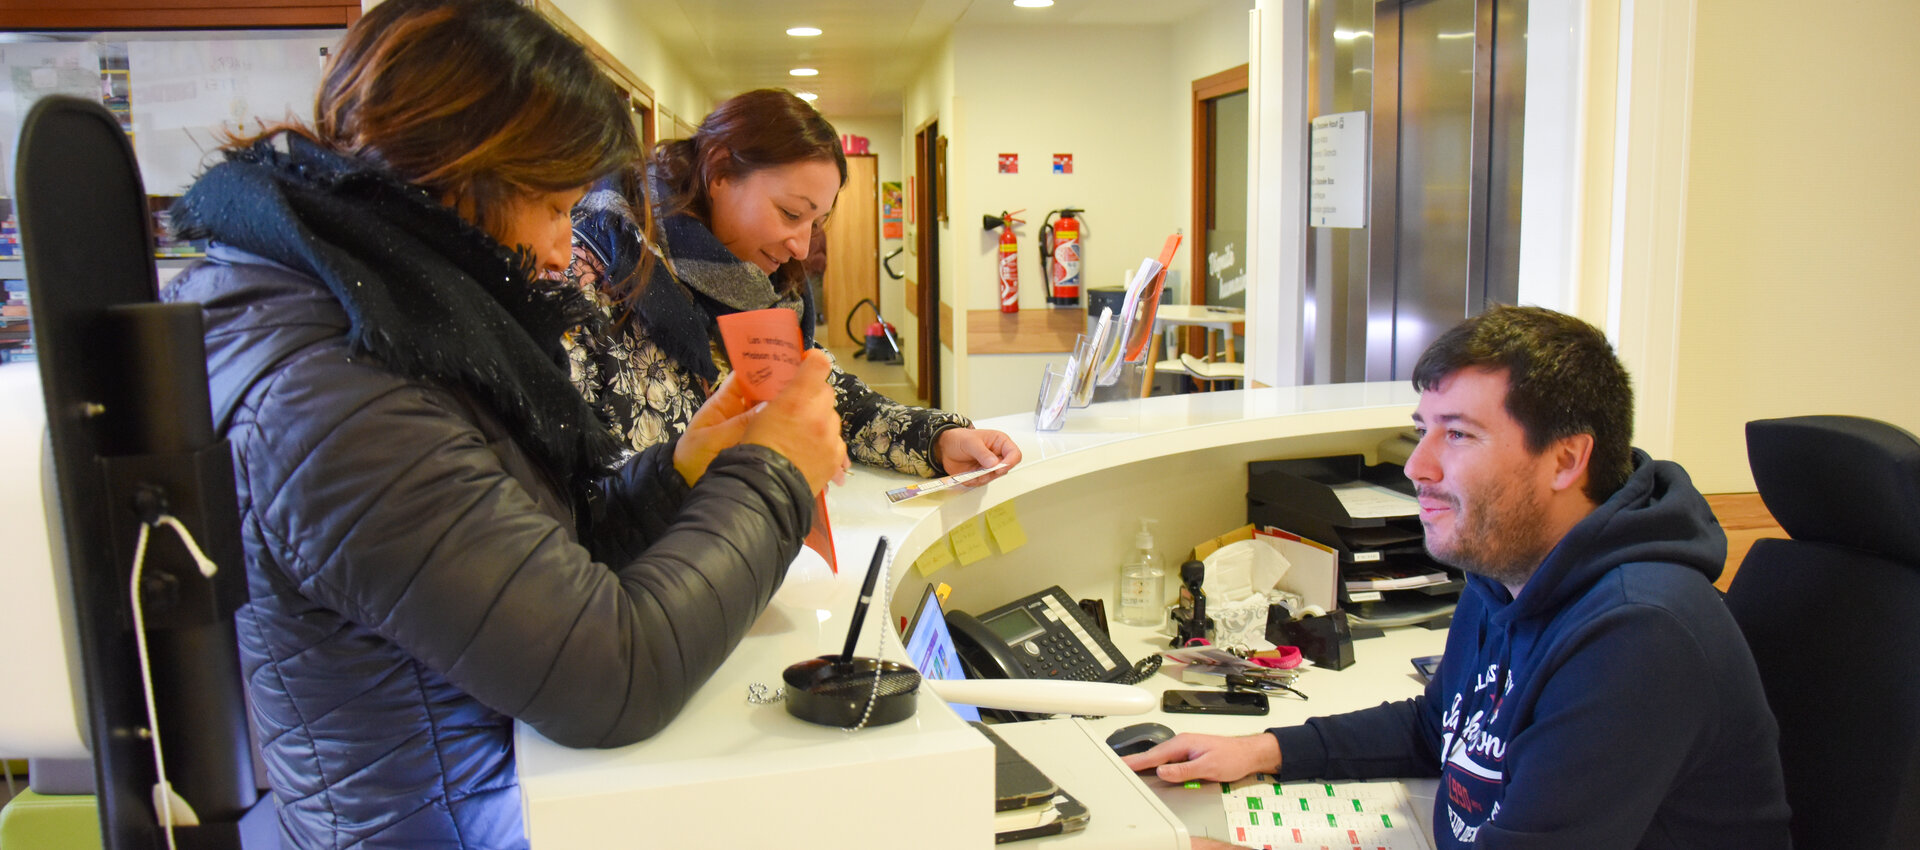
(1243, 570)
(1238, 578)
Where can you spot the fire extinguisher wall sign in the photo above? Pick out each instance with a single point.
(1060, 257)
(1008, 265)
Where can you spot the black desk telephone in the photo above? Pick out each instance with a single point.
(1042, 636)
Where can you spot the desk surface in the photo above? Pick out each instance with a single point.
(1180, 459)
(1382, 672)
(1198, 314)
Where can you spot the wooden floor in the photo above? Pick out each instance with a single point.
(889, 380)
(1745, 519)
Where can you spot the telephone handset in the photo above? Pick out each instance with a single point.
(1041, 636)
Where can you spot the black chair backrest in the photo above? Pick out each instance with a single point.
(1833, 618)
(125, 382)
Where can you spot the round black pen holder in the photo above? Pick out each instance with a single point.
(832, 692)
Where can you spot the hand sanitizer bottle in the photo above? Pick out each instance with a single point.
(1142, 582)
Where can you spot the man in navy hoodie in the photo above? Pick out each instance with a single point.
(1595, 693)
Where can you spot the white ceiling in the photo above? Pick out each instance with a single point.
(870, 49)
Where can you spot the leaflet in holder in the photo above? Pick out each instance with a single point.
(1140, 312)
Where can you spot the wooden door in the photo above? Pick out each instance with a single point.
(853, 253)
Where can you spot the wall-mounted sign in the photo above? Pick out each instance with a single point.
(892, 201)
(1009, 163)
(1063, 163)
(1337, 171)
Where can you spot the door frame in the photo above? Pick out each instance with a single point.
(1233, 80)
(926, 297)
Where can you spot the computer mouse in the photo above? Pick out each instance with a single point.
(1138, 738)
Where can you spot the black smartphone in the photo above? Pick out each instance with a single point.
(1214, 702)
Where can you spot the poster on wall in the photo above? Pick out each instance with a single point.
(1337, 191)
(187, 95)
(35, 70)
(892, 202)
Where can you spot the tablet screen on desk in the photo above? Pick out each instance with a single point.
(930, 649)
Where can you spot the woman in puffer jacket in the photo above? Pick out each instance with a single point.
(438, 538)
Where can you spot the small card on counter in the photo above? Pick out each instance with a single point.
(936, 485)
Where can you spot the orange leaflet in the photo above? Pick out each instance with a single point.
(765, 348)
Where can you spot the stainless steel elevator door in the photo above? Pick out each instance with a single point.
(1427, 291)
(1447, 102)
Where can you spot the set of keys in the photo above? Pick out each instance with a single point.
(1264, 680)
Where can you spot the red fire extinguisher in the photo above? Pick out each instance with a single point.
(1009, 252)
(1060, 257)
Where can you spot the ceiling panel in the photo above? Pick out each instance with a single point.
(870, 49)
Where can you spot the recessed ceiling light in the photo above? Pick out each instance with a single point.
(807, 96)
(804, 72)
(803, 32)
(1033, 4)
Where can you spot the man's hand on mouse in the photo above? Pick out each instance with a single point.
(1213, 758)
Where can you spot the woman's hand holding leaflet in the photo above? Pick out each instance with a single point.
(802, 424)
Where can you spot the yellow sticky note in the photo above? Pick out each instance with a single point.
(942, 591)
(1005, 525)
(938, 555)
(969, 542)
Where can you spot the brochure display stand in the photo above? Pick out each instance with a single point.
(1112, 352)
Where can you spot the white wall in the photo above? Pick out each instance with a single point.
(929, 97)
(1802, 225)
(1125, 174)
(624, 31)
(1276, 265)
(1201, 46)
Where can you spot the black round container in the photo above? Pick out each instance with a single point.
(832, 692)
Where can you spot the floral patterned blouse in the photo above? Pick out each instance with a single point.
(647, 398)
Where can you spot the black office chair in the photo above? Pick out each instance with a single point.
(1833, 617)
(130, 427)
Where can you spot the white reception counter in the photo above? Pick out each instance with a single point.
(728, 770)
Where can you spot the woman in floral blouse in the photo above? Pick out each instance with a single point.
(731, 215)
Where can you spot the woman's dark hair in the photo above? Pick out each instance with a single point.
(765, 128)
(478, 101)
(1563, 379)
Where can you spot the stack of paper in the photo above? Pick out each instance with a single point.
(1405, 574)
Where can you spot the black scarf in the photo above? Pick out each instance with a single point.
(698, 281)
(428, 294)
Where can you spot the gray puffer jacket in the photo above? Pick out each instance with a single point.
(417, 582)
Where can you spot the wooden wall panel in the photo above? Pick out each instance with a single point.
(174, 14)
(1041, 331)
(946, 324)
(1745, 519)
